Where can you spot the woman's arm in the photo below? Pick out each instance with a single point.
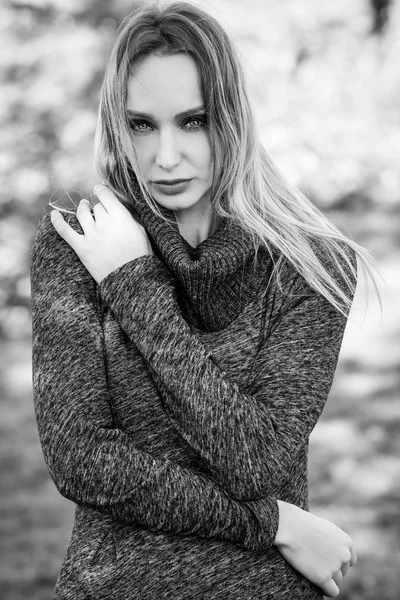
(249, 440)
(299, 534)
(92, 462)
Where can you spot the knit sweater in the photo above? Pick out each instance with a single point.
(174, 403)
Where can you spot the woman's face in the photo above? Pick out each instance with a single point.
(168, 122)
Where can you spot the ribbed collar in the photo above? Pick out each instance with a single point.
(215, 280)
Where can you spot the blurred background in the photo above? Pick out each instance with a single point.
(325, 81)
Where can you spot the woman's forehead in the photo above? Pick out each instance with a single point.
(161, 84)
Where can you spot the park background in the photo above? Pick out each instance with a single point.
(324, 76)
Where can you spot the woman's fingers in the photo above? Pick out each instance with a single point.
(99, 211)
(108, 199)
(64, 230)
(84, 216)
(338, 577)
(353, 559)
(111, 236)
(345, 568)
(330, 589)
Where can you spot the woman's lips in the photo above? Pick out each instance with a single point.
(176, 186)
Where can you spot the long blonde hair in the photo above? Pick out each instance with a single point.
(247, 186)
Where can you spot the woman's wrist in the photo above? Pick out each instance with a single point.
(287, 514)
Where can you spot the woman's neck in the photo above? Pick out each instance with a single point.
(215, 278)
(195, 228)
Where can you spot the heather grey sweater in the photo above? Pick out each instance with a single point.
(174, 404)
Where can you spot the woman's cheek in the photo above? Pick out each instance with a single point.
(146, 153)
(201, 148)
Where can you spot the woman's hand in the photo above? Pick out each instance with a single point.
(111, 237)
(315, 547)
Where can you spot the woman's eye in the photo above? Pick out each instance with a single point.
(139, 126)
(195, 123)
(192, 124)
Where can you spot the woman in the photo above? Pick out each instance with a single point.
(186, 330)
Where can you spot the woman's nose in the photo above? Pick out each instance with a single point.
(168, 153)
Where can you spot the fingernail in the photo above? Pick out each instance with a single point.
(98, 187)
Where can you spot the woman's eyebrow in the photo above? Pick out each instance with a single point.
(186, 113)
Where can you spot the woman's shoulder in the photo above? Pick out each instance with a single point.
(51, 257)
(290, 286)
(46, 236)
(331, 257)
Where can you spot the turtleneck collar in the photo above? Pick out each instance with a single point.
(215, 280)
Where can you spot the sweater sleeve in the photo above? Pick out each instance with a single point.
(248, 439)
(91, 461)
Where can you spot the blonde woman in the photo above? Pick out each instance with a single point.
(186, 331)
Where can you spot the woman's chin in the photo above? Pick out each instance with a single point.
(181, 202)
